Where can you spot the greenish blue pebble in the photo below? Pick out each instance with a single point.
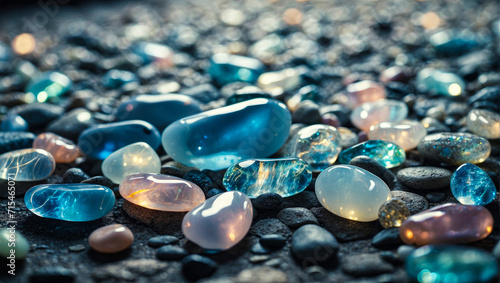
(386, 153)
(13, 240)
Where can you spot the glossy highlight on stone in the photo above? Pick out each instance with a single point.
(111, 239)
(386, 153)
(26, 165)
(62, 149)
(447, 224)
(364, 91)
(70, 202)
(484, 123)
(373, 113)
(351, 192)
(156, 53)
(254, 177)
(406, 134)
(220, 222)
(392, 213)
(440, 82)
(280, 81)
(471, 185)
(48, 85)
(227, 68)
(219, 138)
(161, 192)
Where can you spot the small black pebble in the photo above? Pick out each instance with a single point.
(199, 179)
(213, 192)
(99, 180)
(267, 201)
(215, 177)
(195, 267)
(74, 175)
(259, 249)
(390, 257)
(435, 197)
(273, 241)
(52, 274)
(387, 239)
(170, 252)
(172, 171)
(160, 241)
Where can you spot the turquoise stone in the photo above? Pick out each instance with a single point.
(386, 153)
(13, 123)
(219, 138)
(118, 78)
(227, 68)
(254, 177)
(159, 110)
(102, 140)
(451, 264)
(26, 165)
(70, 202)
(48, 85)
(451, 42)
(440, 82)
(247, 93)
(472, 186)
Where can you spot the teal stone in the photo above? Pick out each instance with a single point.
(219, 138)
(117, 78)
(472, 186)
(247, 93)
(254, 177)
(48, 85)
(451, 264)
(13, 123)
(29, 164)
(227, 68)
(70, 202)
(451, 42)
(440, 82)
(386, 153)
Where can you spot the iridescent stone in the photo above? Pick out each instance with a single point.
(451, 42)
(70, 202)
(13, 123)
(161, 192)
(392, 213)
(220, 222)
(160, 110)
(12, 239)
(48, 85)
(471, 185)
(448, 263)
(278, 82)
(227, 68)
(348, 138)
(62, 149)
(440, 82)
(454, 148)
(447, 224)
(254, 177)
(351, 192)
(406, 134)
(26, 165)
(118, 78)
(102, 140)
(247, 93)
(111, 239)
(219, 138)
(135, 158)
(150, 52)
(385, 153)
(318, 145)
(372, 113)
(484, 123)
(364, 91)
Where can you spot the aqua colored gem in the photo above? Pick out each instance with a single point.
(12, 239)
(13, 123)
(254, 177)
(70, 202)
(26, 165)
(102, 140)
(219, 138)
(118, 78)
(160, 110)
(448, 263)
(150, 52)
(440, 82)
(247, 93)
(227, 68)
(472, 186)
(386, 153)
(48, 85)
(451, 42)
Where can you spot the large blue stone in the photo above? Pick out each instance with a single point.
(226, 68)
(386, 153)
(219, 138)
(48, 85)
(70, 202)
(102, 140)
(160, 110)
(472, 186)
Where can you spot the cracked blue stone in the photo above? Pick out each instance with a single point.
(472, 186)
(386, 153)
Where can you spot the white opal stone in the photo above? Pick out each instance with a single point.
(351, 192)
(138, 157)
(406, 134)
(484, 123)
(372, 113)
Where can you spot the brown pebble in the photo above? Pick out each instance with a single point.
(111, 239)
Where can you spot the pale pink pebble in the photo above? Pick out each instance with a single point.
(111, 239)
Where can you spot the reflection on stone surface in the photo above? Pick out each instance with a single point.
(26, 165)
(406, 134)
(385, 153)
(471, 185)
(62, 149)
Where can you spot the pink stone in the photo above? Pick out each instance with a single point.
(330, 119)
(161, 192)
(62, 149)
(364, 91)
(449, 223)
(111, 239)
(372, 113)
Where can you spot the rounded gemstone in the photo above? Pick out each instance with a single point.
(471, 185)
(392, 213)
(62, 149)
(440, 82)
(373, 113)
(364, 91)
(26, 165)
(406, 134)
(227, 68)
(484, 123)
(386, 153)
(48, 85)
(111, 239)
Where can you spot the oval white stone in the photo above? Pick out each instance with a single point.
(407, 134)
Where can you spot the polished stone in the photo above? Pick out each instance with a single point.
(70, 202)
(62, 149)
(12, 239)
(386, 153)
(392, 213)
(117, 78)
(111, 239)
(406, 134)
(453, 42)
(373, 113)
(48, 85)
(159, 54)
(219, 138)
(447, 224)
(440, 82)
(254, 177)
(454, 148)
(161, 192)
(484, 123)
(364, 91)
(220, 222)
(26, 165)
(13, 123)
(135, 158)
(351, 192)
(471, 185)
(280, 81)
(227, 68)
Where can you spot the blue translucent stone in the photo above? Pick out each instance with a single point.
(70, 202)
(448, 263)
(160, 110)
(48, 85)
(227, 68)
(440, 82)
(102, 140)
(13, 123)
(116, 78)
(386, 153)
(254, 177)
(219, 138)
(450, 42)
(247, 93)
(472, 186)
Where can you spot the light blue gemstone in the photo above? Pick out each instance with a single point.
(48, 85)
(116, 78)
(219, 138)
(160, 110)
(254, 177)
(451, 264)
(440, 82)
(450, 42)
(386, 153)
(70, 202)
(13, 123)
(227, 68)
(153, 52)
(472, 186)
(102, 140)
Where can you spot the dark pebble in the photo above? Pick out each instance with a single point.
(74, 175)
(272, 241)
(270, 226)
(257, 248)
(38, 115)
(435, 197)
(171, 253)
(10, 141)
(305, 199)
(172, 171)
(416, 203)
(342, 112)
(425, 178)
(199, 179)
(390, 257)
(307, 112)
(376, 168)
(314, 244)
(203, 92)
(71, 124)
(160, 241)
(295, 217)
(195, 267)
(99, 180)
(215, 177)
(213, 192)
(387, 239)
(52, 274)
(365, 265)
(267, 201)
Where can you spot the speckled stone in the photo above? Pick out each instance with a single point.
(392, 213)
(62, 149)
(484, 123)
(406, 134)
(111, 239)
(415, 203)
(425, 177)
(10, 141)
(26, 165)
